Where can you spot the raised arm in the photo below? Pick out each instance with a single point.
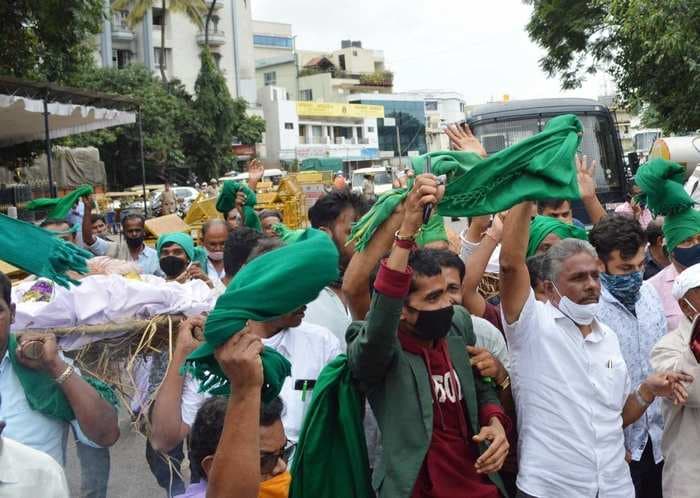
(167, 427)
(478, 260)
(356, 278)
(585, 174)
(236, 467)
(256, 170)
(96, 417)
(514, 277)
(88, 238)
(661, 384)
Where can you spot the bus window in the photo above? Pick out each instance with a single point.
(502, 134)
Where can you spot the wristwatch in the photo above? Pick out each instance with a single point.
(505, 384)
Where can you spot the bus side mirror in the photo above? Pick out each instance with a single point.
(633, 162)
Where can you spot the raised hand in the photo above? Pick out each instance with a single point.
(462, 138)
(585, 174)
(239, 358)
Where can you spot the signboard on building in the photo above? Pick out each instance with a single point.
(335, 110)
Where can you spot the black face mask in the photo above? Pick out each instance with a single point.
(134, 242)
(434, 324)
(172, 266)
(687, 256)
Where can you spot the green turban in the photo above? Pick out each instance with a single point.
(287, 235)
(433, 231)
(539, 167)
(194, 254)
(542, 226)
(661, 183)
(227, 201)
(60, 206)
(272, 285)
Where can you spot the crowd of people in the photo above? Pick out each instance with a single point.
(528, 356)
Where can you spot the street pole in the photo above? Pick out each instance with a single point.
(143, 166)
(398, 137)
(47, 147)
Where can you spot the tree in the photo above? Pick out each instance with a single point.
(651, 48)
(167, 114)
(207, 21)
(248, 129)
(48, 39)
(191, 8)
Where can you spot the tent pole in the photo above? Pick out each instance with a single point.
(143, 167)
(47, 146)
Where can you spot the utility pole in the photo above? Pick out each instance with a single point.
(398, 137)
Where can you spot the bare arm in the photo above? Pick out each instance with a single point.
(478, 261)
(167, 427)
(256, 170)
(585, 174)
(96, 417)
(660, 384)
(356, 278)
(515, 279)
(88, 237)
(235, 470)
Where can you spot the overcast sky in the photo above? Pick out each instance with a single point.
(477, 47)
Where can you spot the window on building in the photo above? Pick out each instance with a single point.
(461, 107)
(341, 62)
(354, 53)
(158, 16)
(306, 95)
(431, 105)
(370, 129)
(288, 126)
(121, 58)
(270, 78)
(119, 19)
(272, 41)
(156, 57)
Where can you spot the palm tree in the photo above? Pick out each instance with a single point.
(207, 21)
(191, 8)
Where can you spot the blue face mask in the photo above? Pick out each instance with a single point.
(687, 256)
(625, 288)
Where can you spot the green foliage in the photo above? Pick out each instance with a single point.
(167, 116)
(48, 39)
(651, 48)
(250, 129)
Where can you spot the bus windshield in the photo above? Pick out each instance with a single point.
(597, 142)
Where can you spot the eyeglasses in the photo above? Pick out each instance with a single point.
(268, 461)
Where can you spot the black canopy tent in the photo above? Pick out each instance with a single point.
(33, 110)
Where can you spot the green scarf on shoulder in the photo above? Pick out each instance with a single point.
(59, 206)
(541, 226)
(539, 167)
(195, 254)
(40, 252)
(43, 394)
(273, 284)
(227, 201)
(661, 183)
(331, 456)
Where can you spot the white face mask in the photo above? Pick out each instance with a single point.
(581, 314)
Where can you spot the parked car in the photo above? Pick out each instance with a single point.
(382, 179)
(185, 197)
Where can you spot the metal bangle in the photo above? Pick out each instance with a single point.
(505, 384)
(640, 399)
(64, 376)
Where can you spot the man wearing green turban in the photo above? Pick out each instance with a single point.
(661, 183)
(546, 231)
(180, 260)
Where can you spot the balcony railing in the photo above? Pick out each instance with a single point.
(216, 38)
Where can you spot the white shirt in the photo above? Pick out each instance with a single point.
(329, 311)
(569, 393)
(213, 274)
(308, 348)
(29, 473)
(29, 427)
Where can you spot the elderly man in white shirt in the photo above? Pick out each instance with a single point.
(570, 382)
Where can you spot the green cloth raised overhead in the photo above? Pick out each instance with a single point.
(272, 285)
(59, 206)
(661, 183)
(43, 394)
(194, 253)
(227, 201)
(285, 233)
(40, 252)
(539, 167)
(331, 455)
(433, 231)
(541, 226)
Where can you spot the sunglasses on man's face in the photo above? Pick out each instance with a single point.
(268, 461)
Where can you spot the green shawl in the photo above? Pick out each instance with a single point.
(195, 254)
(433, 231)
(539, 167)
(287, 235)
(40, 252)
(331, 456)
(227, 201)
(541, 226)
(43, 394)
(272, 285)
(60, 206)
(661, 183)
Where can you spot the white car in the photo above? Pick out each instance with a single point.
(382, 179)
